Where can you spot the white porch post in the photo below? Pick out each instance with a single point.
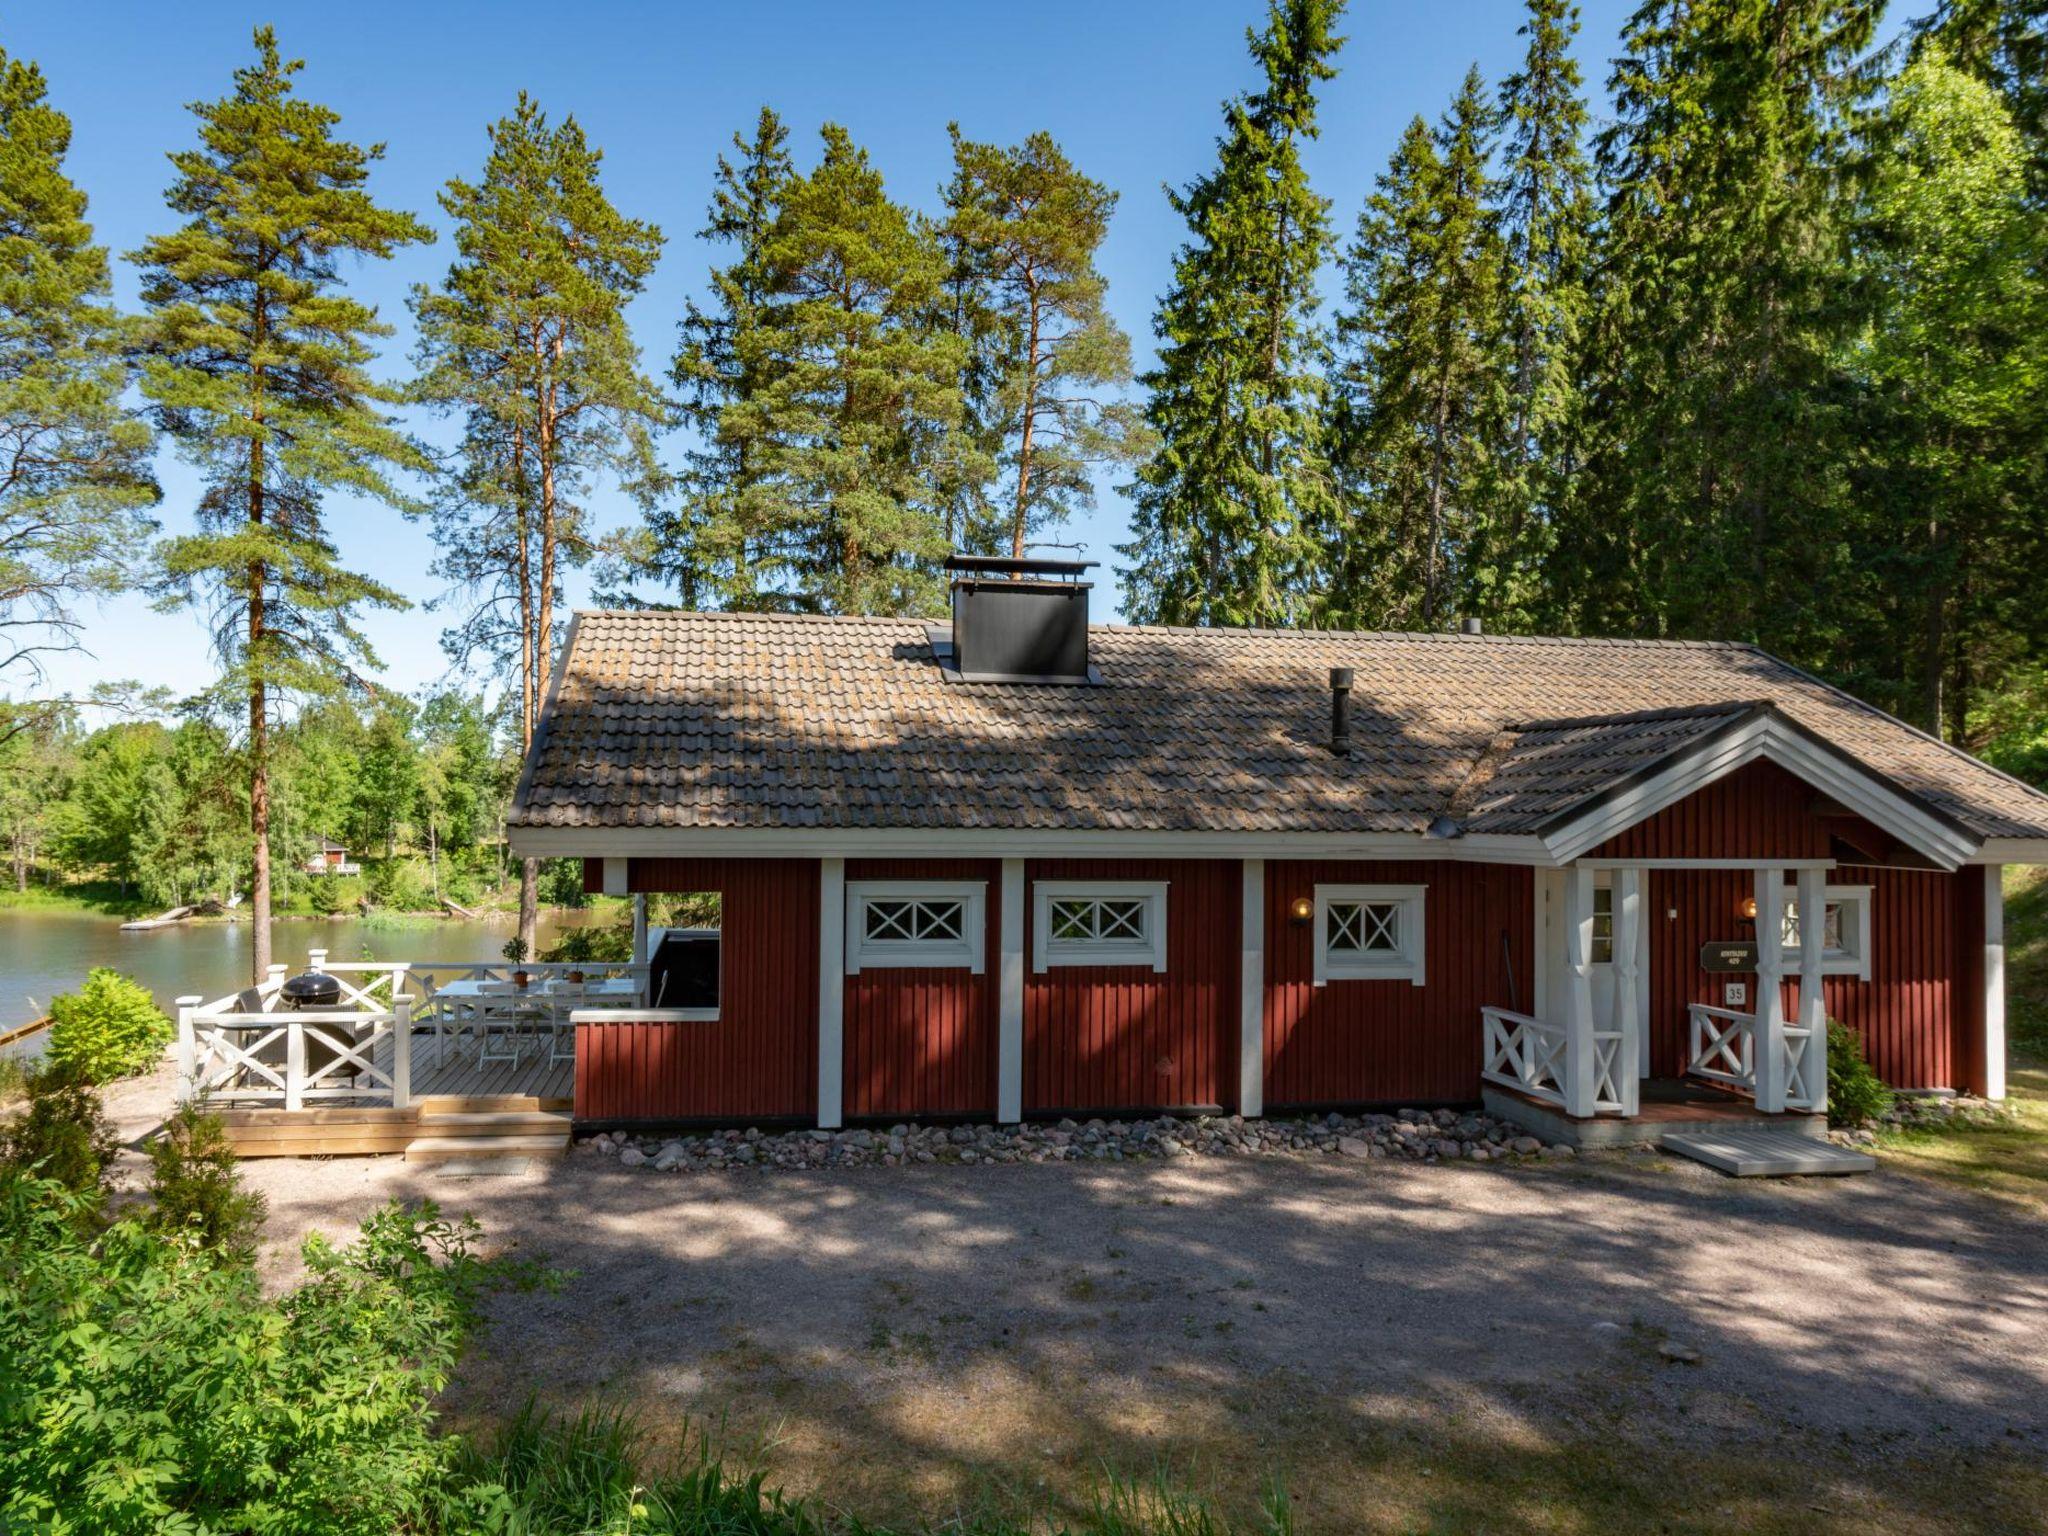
(640, 930)
(1251, 993)
(401, 1053)
(1628, 922)
(188, 1050)
(1813, 1000)
(294, 1064)
(1769, 1011)
(1580, 1068)
(1994, 981)
(831, 990)
(1010, 1002)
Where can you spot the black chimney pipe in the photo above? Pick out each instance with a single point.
(1473, 626)
(1340, 711)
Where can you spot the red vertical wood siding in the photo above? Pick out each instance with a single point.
(1354, 1042)
(1758, 811)
(760, 1059)
(1101, 1038)
(1903, 1014)
(922, 1041)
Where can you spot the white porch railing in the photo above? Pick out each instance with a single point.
(1584, 1072)
(1723, 1046)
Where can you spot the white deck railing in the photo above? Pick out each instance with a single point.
(246, 1048)
(1722, 1047)
(1582, 1072)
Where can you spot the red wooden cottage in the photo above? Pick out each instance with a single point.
(1021, 866)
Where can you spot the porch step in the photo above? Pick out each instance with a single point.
(439, 1149)
(480, 1103)
(491, 1122)
(1749, 1153)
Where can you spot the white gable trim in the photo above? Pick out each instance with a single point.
(1765, 737)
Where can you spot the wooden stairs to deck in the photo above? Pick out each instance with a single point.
(434, 1129)
(497, 1125)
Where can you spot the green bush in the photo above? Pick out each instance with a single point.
(1856, 1095)
(151, 1388)
(61, 1136)
(198, 1193)
(110, 1027)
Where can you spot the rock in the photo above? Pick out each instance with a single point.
(1354, 1146)
(632, 1157)
(1525, 1145)
(1679, 1354)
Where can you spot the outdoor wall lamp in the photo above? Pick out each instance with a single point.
(1746, 909)
(1301, 909)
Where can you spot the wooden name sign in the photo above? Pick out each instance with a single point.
(1728, 955)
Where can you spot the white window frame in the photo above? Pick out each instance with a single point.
(1853, 958)
(964, 953)
(1047, 950)
(1409, 964)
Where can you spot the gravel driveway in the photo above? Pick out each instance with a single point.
(972, 1321)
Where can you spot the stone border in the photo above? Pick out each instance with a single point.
(1413, 1135)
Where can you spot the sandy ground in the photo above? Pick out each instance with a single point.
(977, 1322)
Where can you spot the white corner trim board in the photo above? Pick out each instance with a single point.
(1010, 1002)
(831, 990)
(1251, 1004)
(1994, 982)
(1111, 938)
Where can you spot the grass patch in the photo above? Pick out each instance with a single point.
(2009, 1161)
(100, 896)
(1298, 1464)
(2026, 961)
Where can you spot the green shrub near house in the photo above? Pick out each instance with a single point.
(1856, 1094)
(60, 1135)
(110, 1027)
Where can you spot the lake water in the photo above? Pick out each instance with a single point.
(44, 953)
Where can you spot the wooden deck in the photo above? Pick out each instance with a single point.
(447, 1080)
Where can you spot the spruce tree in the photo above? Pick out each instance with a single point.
(703, 547)
(256, 363)
(1026, 226)
(1544, 208)
(1232, 509)
(526, 340)
(860, 401)
(1710, 503)
(1423, 381)
(74, 467)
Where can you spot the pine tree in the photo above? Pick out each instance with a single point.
(860, 403)
(704, 548)
(1233, 506)
(1027, 226)
(1948, 509)
(1544, 206)
(1422, 381)
(74, 470)
(526, 339)
(256, 364)
(1711, 497)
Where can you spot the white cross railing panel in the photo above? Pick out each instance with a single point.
(1536, 1058)
(1805, 1068)
(218, 1059)
(1721, 1046)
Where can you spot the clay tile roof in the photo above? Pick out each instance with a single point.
(753, 720)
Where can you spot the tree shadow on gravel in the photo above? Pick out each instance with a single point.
(929, 1340)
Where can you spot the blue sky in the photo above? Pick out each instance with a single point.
(1131, 90)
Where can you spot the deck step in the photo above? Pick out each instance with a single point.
(436, 1149)
(491, 1122)
(479, 1103)
(1749, 1153)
